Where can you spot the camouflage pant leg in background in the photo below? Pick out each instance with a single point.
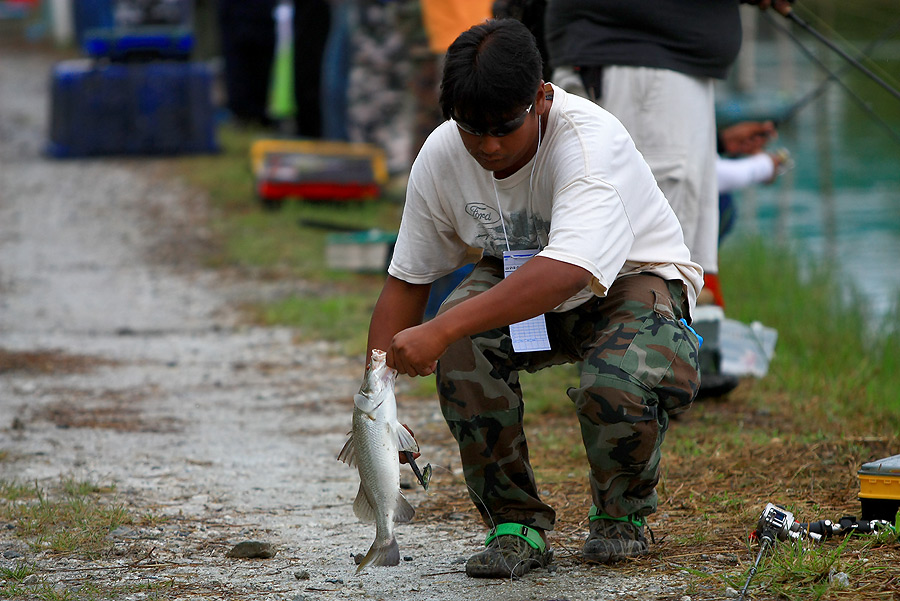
(637, 360)
(380, 106)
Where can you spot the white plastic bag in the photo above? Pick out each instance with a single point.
(742, 349)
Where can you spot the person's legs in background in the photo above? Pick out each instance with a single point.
(312, 22)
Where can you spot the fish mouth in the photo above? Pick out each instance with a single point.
(374, 409)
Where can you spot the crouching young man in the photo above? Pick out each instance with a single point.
(578, 249)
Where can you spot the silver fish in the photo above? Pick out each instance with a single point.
(373, 447)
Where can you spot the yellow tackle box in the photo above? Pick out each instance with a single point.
(879, 488)
(317, 170)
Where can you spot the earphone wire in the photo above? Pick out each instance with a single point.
(530, 187)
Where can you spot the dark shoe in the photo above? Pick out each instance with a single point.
(714, 385)
(614, 539)
(509, 555)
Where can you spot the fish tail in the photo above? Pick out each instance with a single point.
(381, 553)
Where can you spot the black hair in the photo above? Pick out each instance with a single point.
(491, 72)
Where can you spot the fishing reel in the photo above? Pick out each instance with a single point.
(776, 523)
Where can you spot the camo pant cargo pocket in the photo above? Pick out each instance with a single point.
(663, 356)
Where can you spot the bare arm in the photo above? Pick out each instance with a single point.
(401, 305)
(536, 287)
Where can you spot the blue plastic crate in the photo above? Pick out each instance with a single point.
(139, 43)
(128, 109)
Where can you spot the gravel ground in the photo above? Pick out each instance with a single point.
(125, 364)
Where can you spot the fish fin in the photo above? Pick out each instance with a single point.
(386, 553)
(362, 507)
(405, 440)
(403, 512)
(348, 452)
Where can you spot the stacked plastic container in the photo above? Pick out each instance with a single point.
(137, 91)
(879, 489)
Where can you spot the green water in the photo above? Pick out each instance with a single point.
(841, 202)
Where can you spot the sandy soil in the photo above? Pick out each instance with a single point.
(123, 363)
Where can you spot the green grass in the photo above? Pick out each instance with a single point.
(817, 571)
(546, 390)
(829, 349)
(282, 243)
(72, 518)
(84, 591)
(288, 242)
(18, 572)
(75, 518)
(338, 317)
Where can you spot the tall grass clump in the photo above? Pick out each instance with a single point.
(829, 348)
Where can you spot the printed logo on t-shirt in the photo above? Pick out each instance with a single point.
(483, 213)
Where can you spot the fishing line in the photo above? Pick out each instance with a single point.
(826, 30)
(530, 185)
(836, 38)
(512, 572)
(792, 16)
(834, 76)
(474, 492)
(853, 95)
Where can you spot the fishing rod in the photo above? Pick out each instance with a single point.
(792, 16)
(834, 76)
(863, 104)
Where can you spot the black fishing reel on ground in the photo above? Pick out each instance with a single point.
(777, 523)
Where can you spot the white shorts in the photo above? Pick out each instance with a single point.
(671, 117)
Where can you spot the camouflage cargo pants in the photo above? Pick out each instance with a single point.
(639, 365)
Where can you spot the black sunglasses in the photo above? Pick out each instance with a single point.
(499, 131)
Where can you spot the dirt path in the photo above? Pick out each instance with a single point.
(122, 369)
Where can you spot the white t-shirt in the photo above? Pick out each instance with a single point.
(591, 201)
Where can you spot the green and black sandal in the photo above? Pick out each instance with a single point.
(512, 550)
(614, 539)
